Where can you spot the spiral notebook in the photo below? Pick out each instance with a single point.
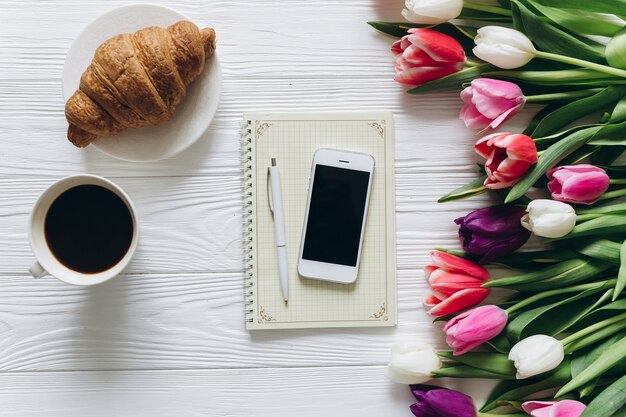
(292, 139)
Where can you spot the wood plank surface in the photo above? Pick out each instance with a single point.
(177, 321)
(167, 337)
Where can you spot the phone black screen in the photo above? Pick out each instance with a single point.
(336, 213)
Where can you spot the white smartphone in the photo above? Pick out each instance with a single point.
(336, 211)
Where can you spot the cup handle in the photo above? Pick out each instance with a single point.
(37, 270)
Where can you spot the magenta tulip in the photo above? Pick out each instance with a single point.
(489, 103)
(508, 158)
(455, 284)
(474, 327)
(577, 184)
(565, 408)
(425, 55)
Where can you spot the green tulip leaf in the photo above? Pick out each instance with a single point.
(617, 7)
(552, 39)
(609, 401)
(581, 361)
(472, 189)
(472, 14)
(541, 114)
(576, 22)
(463, 34)
(580, 155)
(534, 259)
(549, 158)
(602, 250)
(577, 109)
(607, 311)
(554, 318)
(607, 155)
(618, 114)
(610, 135)
(514, 390)
(614, 354)
(451, 81)
(553, 276)
(621, 275)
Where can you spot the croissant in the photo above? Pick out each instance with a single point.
(136, 80)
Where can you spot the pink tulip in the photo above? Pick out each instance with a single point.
(425, 55)
(455, 284)
(565, 408)
(508, 158)
(578, 184)
(489, 103)
(474, 327)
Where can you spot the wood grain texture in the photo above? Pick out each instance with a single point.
(167, 337)
(177, 321)
(332, 392)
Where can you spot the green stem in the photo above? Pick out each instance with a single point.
(564, 96)
(613, 194)
(581, 63)
(546, 294)
(584, 217)
(593, 328)
(472, 63)
(617, 181)
(487, 8)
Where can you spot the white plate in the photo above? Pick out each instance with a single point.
(192, 116)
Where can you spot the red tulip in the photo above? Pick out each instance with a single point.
(508, 158)
(425, 55)
(455, 284)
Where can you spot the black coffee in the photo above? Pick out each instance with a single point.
(89, 228)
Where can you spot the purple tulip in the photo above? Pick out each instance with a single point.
(492, 231)
(441, 402)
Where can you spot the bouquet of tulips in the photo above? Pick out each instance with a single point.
(557, 342)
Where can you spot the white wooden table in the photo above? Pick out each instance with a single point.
(167, 337)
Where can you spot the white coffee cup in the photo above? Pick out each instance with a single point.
(46, 261)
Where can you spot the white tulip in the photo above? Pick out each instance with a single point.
(432, 12)
(412, 362)
(536, 354)
(503, 47)
(549, 218)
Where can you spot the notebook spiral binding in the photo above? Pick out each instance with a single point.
(248, 215)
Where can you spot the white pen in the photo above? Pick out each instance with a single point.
(279, 228)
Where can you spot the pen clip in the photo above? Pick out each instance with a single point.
(269, 190)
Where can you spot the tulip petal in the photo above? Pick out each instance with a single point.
(568, 408)
(450, 403)
(421, 75)
(472, 117)
(459, 301)
(453, 263)
(438, 46)
(430, 300)
(506, 116)
(498, 88)
(581, 188)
